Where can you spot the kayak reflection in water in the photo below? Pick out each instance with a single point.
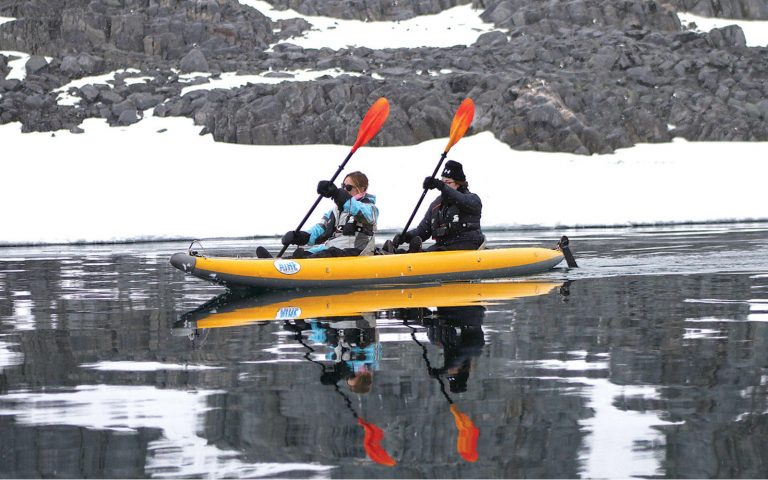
(354, 348)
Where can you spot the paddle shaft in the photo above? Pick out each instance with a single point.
(423, 194)
(429, 364)
(320, 197)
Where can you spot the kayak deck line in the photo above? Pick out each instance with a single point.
(424, 267)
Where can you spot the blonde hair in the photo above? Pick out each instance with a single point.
(359, 179)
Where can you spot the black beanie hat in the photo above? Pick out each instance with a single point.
(458, 383)
(454, 171)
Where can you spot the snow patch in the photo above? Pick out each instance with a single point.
(755, 31)
(455, 26)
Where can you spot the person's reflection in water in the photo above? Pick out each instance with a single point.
(459, 332)
(355, 353)
(354, 349)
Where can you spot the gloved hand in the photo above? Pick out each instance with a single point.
(341, 197)
(400, 239)
(432, 182)
(295, 237)
(327, 189)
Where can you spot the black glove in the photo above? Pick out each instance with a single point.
(326, 188)
(432, 182)
(341, 197)
(295, 237)
(400, 239)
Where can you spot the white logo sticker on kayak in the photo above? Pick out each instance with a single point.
(288, 313)
(287, 267)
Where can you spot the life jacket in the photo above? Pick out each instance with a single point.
(350, 232)
(449, 221)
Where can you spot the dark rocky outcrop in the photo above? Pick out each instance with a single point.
(582, 76)
(131, 29)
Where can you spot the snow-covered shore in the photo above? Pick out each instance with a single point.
(138, 183)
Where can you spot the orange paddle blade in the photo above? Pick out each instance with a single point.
(461, 122)
(372, 444)
(372, 122)
(468, 435)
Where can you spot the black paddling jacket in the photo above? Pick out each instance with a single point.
(453, 220)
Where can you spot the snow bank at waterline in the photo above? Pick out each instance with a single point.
(159, 179)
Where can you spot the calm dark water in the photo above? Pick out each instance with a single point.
(649, 360)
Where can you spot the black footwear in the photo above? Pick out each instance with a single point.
(262, 252)
(415, 245)
(388, 247)
(300, 253)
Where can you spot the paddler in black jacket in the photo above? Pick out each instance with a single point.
(453, 219)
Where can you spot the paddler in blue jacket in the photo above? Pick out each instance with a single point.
(347, 230)
(453, 219)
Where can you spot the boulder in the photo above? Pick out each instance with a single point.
(109, 97)
(730, 36)
(12, 85)
(80, 65)
(128, 32)
(89, 93)
(125, 105)
(491, 39)
(194, 61)
(128, 117)
(143, 100)
(35, 63)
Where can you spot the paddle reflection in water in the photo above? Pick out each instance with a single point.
(459, 332)
(338, 330)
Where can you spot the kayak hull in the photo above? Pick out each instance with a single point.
(278, 274)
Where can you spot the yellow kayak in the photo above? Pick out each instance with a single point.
(368, 270)
(225, 311)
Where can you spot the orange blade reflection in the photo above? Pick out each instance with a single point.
(372, 444)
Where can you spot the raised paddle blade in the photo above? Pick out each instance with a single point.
(372, 122)
(466, 444)
(372, 444)
(461, 122)
(462, 119)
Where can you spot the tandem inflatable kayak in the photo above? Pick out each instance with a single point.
(426, 267)
(230, 310)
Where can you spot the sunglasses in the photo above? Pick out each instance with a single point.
(347, 187)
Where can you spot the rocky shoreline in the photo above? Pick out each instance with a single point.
(581, 76)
